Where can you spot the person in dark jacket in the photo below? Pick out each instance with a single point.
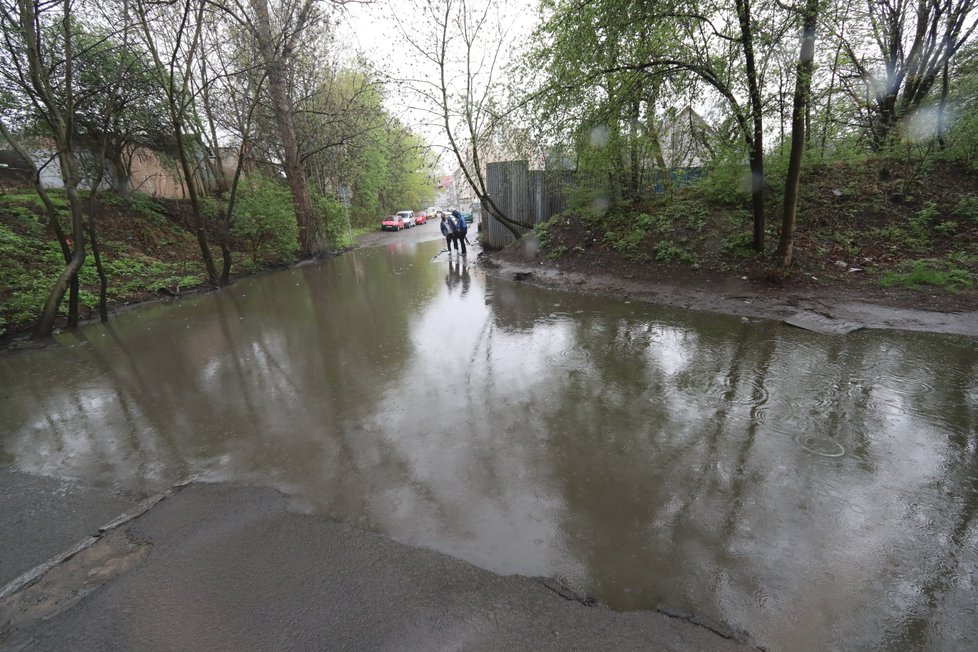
(448, 230)
(461, 228)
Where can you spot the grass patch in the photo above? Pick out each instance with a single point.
(944, 274)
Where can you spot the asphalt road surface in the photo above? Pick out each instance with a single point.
(228, 567)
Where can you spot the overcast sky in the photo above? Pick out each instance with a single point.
(376, 29)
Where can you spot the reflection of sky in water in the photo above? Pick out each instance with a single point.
(646, 455)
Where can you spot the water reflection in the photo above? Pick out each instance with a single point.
(815, 491)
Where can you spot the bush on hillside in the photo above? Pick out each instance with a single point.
(264, 217)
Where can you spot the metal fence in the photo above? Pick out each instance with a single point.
(525, 196)
(532, 197)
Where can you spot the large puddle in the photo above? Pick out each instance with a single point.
(817, 491)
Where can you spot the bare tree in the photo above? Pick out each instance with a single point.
(463, 48)
(178, 28)
(913, 41)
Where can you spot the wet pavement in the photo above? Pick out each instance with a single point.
(217, 567)
(816, 491)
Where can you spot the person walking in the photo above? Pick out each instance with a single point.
(448, 230)
(461, 228)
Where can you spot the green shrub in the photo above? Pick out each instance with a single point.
(265, 218)
(667, 252)
(740, 244)
(333, 219)
(657, 223)
(626, 242)
(542, 231)
(927, 215)
(967, 208)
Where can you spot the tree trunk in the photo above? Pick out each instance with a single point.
(103, 285)
(942, 109)
(803, 85)
(196, 208)
(120, 172)
(45, 324)
(756, 153)
(103, 289)
(177, 102)
(295, 174)
(38, 84)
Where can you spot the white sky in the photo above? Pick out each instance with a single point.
(374, 29)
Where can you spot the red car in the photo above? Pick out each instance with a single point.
(420, 217)
(392, 223)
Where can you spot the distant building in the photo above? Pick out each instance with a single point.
(685, 137)
(150, 172)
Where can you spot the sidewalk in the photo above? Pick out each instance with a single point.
(219, 567)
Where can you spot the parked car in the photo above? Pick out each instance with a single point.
(408, 218)
(392, 223)
(420, 217)
(467, 217)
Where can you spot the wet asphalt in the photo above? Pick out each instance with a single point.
(229, 567)
(232, 567)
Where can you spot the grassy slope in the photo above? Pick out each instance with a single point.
(145, 249)
(899, 226)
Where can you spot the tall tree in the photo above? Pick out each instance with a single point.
(178, 28)
(913, 42)
(699, 40)
(803, 86)
(460, 88)
(277, 48)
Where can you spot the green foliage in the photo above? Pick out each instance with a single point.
(392, 173)
(334, 222)
(627, 241)
(945, 274)
(658, 223)
(967, 208)
(542, 230)
(740, 244)
(264, 217)
(143, 205)
(691, 213)
(906, 239)
(668, 252)
(210, 208)
(727, 183)
(557, 252)
(927, 215)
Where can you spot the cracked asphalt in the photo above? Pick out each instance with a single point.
(229, 567)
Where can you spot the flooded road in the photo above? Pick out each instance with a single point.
(817, 491)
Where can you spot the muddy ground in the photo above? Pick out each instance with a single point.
(856, 303)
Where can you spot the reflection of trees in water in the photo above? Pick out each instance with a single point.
(150, 437)
(650, 513)
(945, 587)
(611, 433)
(206, 384)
